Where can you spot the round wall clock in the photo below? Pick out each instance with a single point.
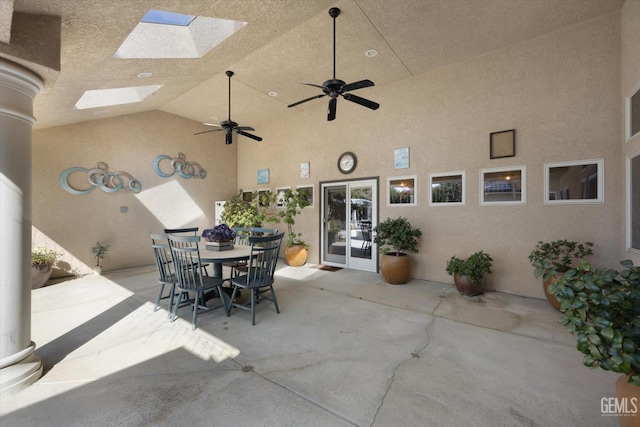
(347, 162)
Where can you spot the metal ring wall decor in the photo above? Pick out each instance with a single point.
(100, 177)
(180, 166)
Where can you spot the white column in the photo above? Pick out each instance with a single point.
(19, 366)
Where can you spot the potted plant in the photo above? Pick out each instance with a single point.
(601, 308)
(469, 274)
(220, 237)
(239, 212)
(99, 251)
(296, 250)
(42, 262)
(551, 260)
(393, 236)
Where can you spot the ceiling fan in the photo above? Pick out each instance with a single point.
(334, 87)
(229, 125)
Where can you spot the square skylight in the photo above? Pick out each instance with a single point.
(106, 97)
(172, 35)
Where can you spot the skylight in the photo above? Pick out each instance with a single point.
(167, 18)
(107, 97)
(172, 35)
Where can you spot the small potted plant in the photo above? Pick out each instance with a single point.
(469, 274)
(42, 262)
(601, 308)
(296, 250)
(99, 251)
(394, 237)
(551, 260)
(220, 237)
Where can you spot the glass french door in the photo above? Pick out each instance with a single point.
(349, 212)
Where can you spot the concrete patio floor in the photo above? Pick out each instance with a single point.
(347, 349)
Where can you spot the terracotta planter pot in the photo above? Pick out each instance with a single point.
(40, 277)
(551, 298)
(628, 394)
(296, 255)
(465, 286)
(396, 270)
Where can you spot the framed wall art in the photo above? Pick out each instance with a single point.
(263, 176)
(502, 144)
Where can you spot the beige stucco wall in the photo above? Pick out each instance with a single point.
(130, 143)
(630, 82)
(559, 91)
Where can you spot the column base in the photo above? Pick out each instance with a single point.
(19, 376)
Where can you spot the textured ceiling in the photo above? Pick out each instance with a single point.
(284, 43)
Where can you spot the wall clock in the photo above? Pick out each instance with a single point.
(347, 162)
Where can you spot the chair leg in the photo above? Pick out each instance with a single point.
(159, 297)
(196, 305)
(253, 308)
(171, 298)
(230, 305)
(275, 301)
(175, 307)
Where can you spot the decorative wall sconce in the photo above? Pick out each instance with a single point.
(99, 176)
(180, 166)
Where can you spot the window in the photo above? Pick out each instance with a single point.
(280, 193)
(503, 186)
(401, 191)
(447, 189)
(579, 181)
(633, 113)
(633, 202)
(307, 192)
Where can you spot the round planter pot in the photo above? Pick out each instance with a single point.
(552, 298)
(465, 286)
(296, 255)
(628, 394)
(39, 277)
(97, 270)
(396, 270)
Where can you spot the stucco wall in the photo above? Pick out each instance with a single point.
(559, 91)
(73, 223)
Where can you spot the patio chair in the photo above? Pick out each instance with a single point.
(259, 277)
(191, 282)
(190, 231)
(242, 238)
(164, 264)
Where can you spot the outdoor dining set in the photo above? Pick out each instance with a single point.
(183, 259)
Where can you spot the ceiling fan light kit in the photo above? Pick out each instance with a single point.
(229, 125)
(336, 87)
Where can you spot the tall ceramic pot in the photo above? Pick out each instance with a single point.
(628, 394)
(552, 298)
(296, 255)
(466, 286)
(396, 269)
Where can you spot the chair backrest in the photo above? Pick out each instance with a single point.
(162, 254)
(264, 253)
(186, 260)
(191, 231)
(243, 234)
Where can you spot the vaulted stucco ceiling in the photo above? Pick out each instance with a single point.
(284, 43)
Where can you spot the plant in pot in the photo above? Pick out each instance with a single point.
(240, 212)
(220, 237)
(469, 274)
(602, 309)
(99, 251)
(551, 260)
(296, 251)
(394, 237)
(42, 262)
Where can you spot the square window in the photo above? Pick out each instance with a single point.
(401, 191)
(447, 189)
(573, 182)
(503, 186)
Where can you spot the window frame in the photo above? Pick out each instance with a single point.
(600, 182)
(415, 190)
(523, 186)
(463, 179)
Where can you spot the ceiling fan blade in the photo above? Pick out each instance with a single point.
(356, 85)
(244, 128)
(312, 84)
(305, 100)
(331, 115)
(361, 101)
(207, 131)
(229, 139)
(248, 135)
(211, 124)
